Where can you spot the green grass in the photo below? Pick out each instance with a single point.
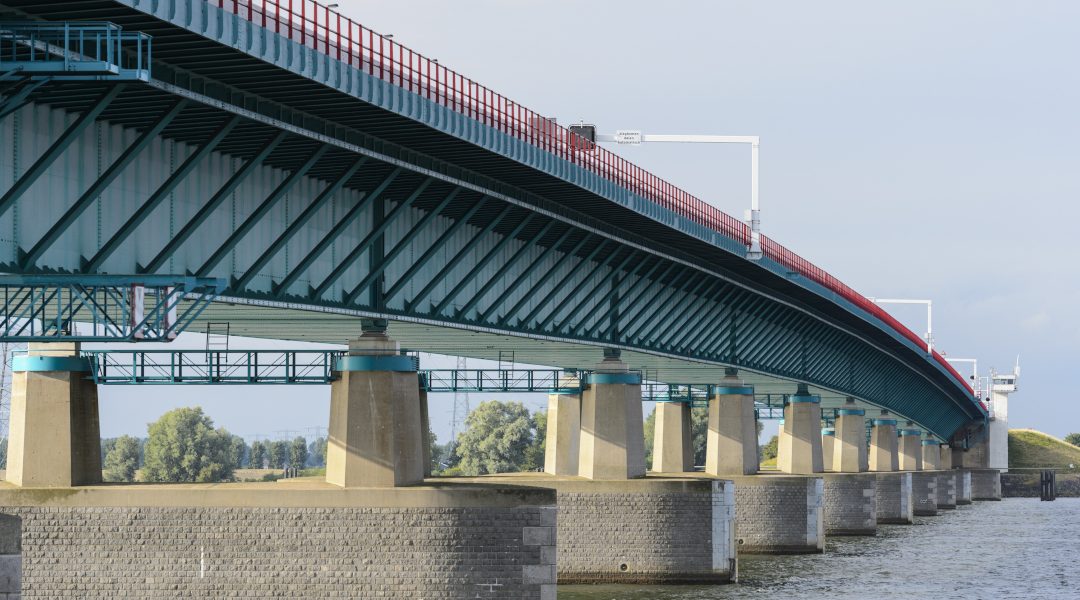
(1030, 449)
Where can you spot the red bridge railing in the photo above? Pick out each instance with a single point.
(316, 26)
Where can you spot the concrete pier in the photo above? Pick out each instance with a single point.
(779, 514)
(828, 444)
(562, 444)
(895, 500)
(963, 486)
(673, 450)
(849, 450)
(375, 438)
(910, 450)
(732, 444)
(931, 455)
(924, 493)
(649, 531)
(985, 484)
(946, 490)
(54, 432)
(297, 539)
(850, 503)
(883, 446)
(801, 442)
(612, 429)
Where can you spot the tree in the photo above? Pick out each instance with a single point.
(122, 460)
(534, 454)
(239, 451)
(298, 453)
(317, 452)
(278, 454)
(257, 455)
(699, 434)
(183, 446)
(495, 439)
(1073, 438)
(768, 451)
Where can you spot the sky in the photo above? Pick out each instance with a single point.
(915, 149)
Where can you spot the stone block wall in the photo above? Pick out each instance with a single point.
(779, 514)
(985, 484)
(850, 501)
(216, 552)
(924, 493)
(894, 498)
(963, 486)
(10, 557)
(946, 489)
(646, 531)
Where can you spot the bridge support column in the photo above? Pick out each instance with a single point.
(731, 447)
(849, 451)
(946, 454)
(828, 447)
(425, 429)
(562, 445)
(850, 503)
(985, 484)
(612, 430)
(779, 514)
(946, 490)
(54, 438)
(801, 442)
(924, 490)
(931, 455)
(375, 417)
(883, 444)
(910, 451)
(895, 500)
(673, 450)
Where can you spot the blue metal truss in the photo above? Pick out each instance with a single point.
(94, 308)
(74, 50)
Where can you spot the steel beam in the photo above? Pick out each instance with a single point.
(21, 98)
(506, 266)
(434, 248)
(575, 294)
(483, 262)
(298, 223)
(159, 195)
(536, 262)
(261, 211)
(365, 244)
(402, 245)
(343, 223)
(547, 277)
(66, 138)
(554, 292)
(647, 277)
(125, 159)
(605, 301)
(215, 201)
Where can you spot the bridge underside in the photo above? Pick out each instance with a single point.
(244, 168)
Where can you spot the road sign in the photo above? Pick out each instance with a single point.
(628, 136)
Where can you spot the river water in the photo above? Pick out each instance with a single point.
(1017, 548)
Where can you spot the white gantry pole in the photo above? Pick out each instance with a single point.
(635, 138)
(929, 316)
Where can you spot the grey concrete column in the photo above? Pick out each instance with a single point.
(895, 498)
(563, 442)
(779, 514)
(931, 455)
(612, 429)
(54, 437)
(375, 422)
(425, 428)
(977, 456)
(849, 452)
(802, 434)
(910, 449)
(732, 444)
(883, 443)
(924, 491)
(673, 450)
(946, 453)
(828, 445)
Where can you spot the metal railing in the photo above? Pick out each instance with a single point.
(316, 26)
(127, 367)
(500, 380)
(75, 49)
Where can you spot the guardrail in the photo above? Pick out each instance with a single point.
(318, 27)
(75, 49)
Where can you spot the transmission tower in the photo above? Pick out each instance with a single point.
(5, 387)
(461, 403)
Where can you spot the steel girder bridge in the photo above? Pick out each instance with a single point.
(328, 173)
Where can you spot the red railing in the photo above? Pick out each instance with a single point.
(318, 27)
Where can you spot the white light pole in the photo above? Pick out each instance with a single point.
(636, 138)
(929, 317)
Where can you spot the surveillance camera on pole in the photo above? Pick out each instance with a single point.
(633, 137)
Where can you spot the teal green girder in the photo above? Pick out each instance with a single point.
(298, 210)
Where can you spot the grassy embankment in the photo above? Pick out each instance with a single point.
(1030, 449)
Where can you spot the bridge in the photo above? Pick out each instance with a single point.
(279, 167)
